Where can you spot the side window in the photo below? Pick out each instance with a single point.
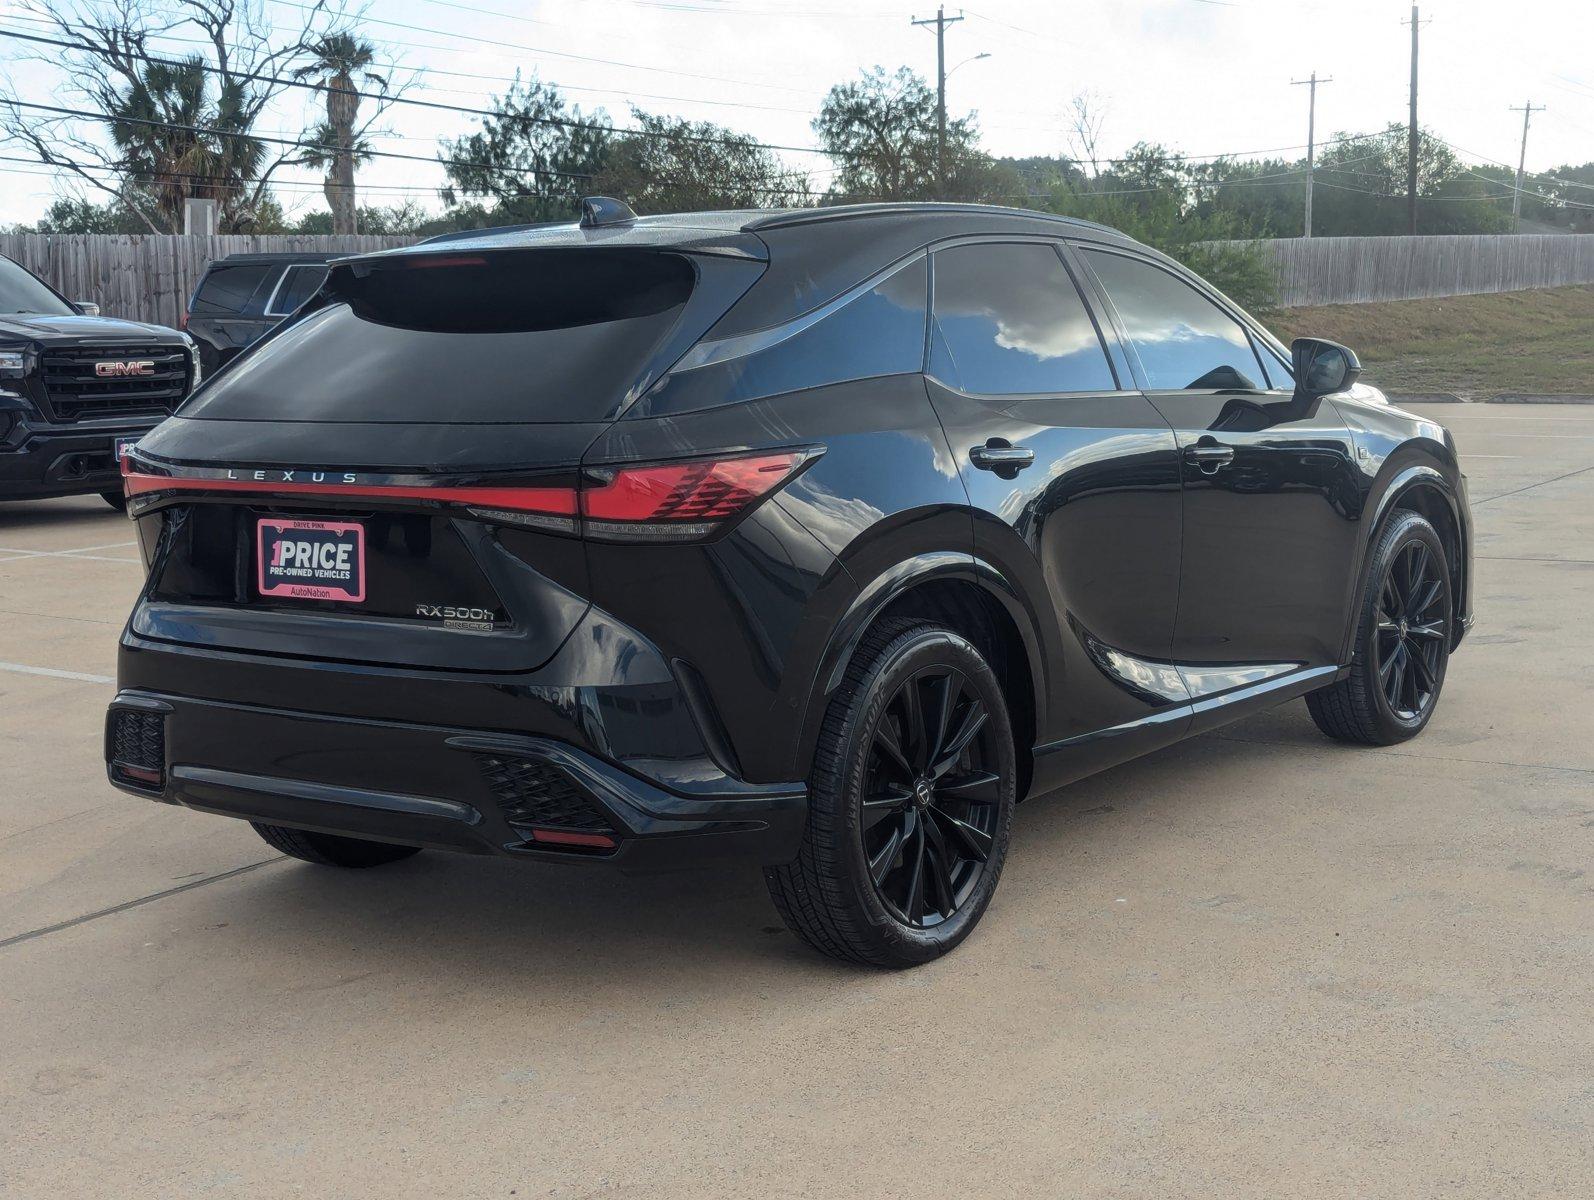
(1278, 370)
(1183, 339)
(878, 332)
(297, 286)
(227, 289)
(1009, 321)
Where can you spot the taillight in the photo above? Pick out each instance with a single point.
(679, 501)
(655, 502)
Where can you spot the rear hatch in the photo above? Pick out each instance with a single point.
(391, 476)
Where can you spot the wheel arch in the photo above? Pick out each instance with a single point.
(1429, 492)
(969, 596)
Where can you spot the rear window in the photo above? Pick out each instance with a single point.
(298, 284)
(227, 290)
(533, 336)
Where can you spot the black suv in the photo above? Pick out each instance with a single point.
(241, 297)
(75, 386)
(818, 537)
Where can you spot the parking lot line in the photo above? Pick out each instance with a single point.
(52, 673)
(67, 553)
(139, 902)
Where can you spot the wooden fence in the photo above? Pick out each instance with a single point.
(1352, 270)
(147, 277)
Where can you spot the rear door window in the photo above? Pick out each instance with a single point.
(508, 336)
(1009, 321)
(876, 330)
(1184, 341)
(299, 283)
(227, 289)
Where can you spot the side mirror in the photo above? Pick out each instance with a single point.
(1322, 368)
(86, 308)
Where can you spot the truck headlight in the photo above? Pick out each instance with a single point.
(13, 362)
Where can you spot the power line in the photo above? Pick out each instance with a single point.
(608, 62)
(303, 145)
(388, 98)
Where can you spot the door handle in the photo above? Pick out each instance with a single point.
(1002, 457)
(1209, 456)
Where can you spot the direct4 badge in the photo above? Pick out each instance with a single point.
(458, 617)
(312, 560)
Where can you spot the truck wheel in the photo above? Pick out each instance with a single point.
(329, 850)
(910, 802)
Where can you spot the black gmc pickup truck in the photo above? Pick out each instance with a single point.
(75, 386)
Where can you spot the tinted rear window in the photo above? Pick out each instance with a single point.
(228, 289)
(536, 336)
(297, 286)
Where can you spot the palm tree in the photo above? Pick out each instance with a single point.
(339, 61)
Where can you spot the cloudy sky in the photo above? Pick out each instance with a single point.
(1203, 76)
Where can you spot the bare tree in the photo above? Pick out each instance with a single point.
(1085, 117)
(165, 128)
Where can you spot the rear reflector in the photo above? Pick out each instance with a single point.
(569, 837)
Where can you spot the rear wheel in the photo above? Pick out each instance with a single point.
(1402, 642)
(910, 803)
(116, 500)
(329, 850)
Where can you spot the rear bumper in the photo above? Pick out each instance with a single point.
(436, 786)
(42, 461)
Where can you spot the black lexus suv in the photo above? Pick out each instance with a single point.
(74, 387)
(819, 538)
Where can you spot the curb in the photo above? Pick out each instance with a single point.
(1540, 398)
(1424, 398)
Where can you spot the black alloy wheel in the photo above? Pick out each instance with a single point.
(931, 801)
(1412, 632)
(1402, 646)
(910, 801)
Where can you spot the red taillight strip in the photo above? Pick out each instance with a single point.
(557, 501)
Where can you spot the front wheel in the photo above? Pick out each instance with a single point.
(1402, 642)
(910, 802)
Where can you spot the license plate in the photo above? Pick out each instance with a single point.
(121, 447)
(311, 560)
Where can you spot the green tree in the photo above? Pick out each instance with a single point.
(340, 63)
(669, 164)
(532, 160)
(881, 132)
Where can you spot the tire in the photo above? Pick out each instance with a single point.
(864, 803)
(329, 850)
(1388, 698)
(116, 500)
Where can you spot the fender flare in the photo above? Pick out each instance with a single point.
(889, 586)
(1403, 481)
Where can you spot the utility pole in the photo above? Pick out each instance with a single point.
(940, 21)
(1311, 138)
(1411, 131)
(1527, 111)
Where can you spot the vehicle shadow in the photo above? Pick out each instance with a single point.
(48, 514)
(533, 927)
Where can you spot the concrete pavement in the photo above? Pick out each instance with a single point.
(1256, 964)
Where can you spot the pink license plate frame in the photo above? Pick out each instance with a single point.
(300, 568)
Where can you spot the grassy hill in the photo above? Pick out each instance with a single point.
(1474, 346)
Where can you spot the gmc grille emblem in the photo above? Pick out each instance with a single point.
(117, 370)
